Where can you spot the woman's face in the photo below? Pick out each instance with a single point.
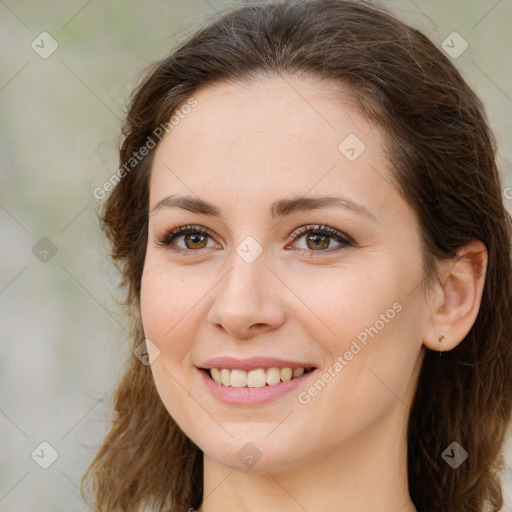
(278, 279)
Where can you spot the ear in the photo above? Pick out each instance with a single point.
(455, 301)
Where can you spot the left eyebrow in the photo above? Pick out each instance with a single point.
(288, 206)
(279, 208)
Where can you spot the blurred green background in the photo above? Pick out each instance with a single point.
(63, 339)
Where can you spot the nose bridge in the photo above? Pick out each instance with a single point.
(246, 282)
(248, 263)
(245, 296)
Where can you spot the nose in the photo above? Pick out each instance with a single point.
(248, 299)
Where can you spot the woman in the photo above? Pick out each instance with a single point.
(310, 227)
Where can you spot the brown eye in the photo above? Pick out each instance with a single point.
(316, 242)
(195, 241)
(318, 239)
(194, 238)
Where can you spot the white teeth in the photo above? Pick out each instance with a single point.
(225, 377)
(298, 372)
(286, 374)
(254, 378)
(238, 378)
(216, 375)
(273, 376)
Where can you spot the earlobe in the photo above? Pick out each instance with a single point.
(455, 303)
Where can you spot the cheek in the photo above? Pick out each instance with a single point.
(166, 310)
(368, 322)
(155, 305)
(379, 353)
(345, 304)
(168, 320)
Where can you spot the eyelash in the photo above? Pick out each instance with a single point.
(167, 238)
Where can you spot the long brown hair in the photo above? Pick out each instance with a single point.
(442, 155)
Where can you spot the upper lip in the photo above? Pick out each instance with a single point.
(252, 363)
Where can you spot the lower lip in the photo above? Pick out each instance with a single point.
(251, 396)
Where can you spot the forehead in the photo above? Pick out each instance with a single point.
(274, 134)
(295, 108)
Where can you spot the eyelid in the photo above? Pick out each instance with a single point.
(170, 235)
(321, 228)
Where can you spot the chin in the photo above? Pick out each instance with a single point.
(253, 453)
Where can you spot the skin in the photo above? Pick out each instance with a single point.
(242, 148)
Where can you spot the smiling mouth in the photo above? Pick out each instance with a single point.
(257, 378)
